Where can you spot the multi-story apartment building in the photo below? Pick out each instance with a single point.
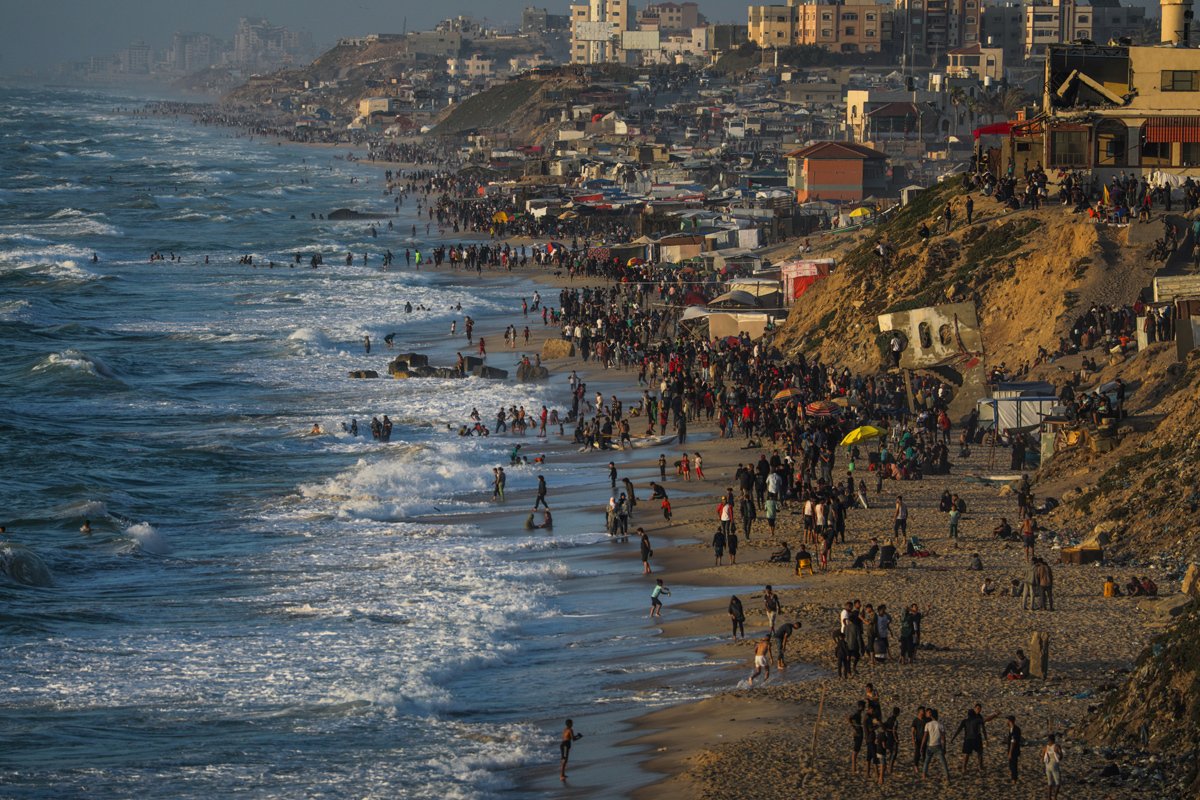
(1004, 27)
(849, 26)
(671, 17)
(596, 28)
(927, 29)
(1064, 21)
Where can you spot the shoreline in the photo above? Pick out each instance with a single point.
(964, 657)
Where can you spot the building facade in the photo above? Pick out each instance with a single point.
(836, 172)
(851, 26)
(1066, 21)
(928, 29)
(596, 28)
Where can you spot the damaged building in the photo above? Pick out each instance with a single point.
(1117, 108)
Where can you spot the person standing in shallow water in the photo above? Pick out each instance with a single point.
(569, 737)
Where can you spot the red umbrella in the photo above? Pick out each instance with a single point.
(821, 408)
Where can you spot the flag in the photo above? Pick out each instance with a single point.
(1107, 199)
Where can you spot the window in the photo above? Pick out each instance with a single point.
(925, 336)
(850, 16)
(826, 33)
(826, 17)
(970, 20)
(870, 17)
(778, 34)
(1083, 18)
(1180, 80)
(1191, 154)
(870, 34)
(849, 30)
(1156, 154)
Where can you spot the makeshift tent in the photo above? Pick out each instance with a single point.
(704, 324)
(799, 275)
(765, 290)
(734, 300)
(1016, 413)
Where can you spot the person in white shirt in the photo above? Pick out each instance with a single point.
(934, 742)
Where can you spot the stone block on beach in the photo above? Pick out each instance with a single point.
(558, 348)
(490, 372)
(363, 373)
(471, 362)
(1164, 609)
(532, 372)
(413, 359)
(1039, 655)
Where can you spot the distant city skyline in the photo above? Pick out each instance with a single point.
(37, 36)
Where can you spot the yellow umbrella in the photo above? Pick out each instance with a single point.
(499, 216)
(862, 434)
(788, 394)
(861, 211)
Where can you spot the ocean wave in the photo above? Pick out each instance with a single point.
(21, 565)
(76, 361)
(148, 539)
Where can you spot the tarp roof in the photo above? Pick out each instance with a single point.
(734, 299)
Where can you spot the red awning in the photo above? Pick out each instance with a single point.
(1000, 128)
(1173, 129)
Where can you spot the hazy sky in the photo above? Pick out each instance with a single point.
(37, 33)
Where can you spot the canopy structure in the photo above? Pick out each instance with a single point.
(787, 394)
(735, 299)
(821, 408)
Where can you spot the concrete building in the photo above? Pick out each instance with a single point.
(135, 59)
(596, 28)
(1004, 27)
(928, 29)
(540, 20)
(1067, 21)
(192, 52)
(671, 17)
(259, 44)
(476, 67)
(836, 172)
(1116, 109)
(850, 26)
(983, 63)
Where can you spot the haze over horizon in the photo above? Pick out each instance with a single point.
(38, 36)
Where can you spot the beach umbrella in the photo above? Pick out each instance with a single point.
(821, 408)
(633, 262)
(787, 394)
(499, 216)
(861, 211)
(862, 434)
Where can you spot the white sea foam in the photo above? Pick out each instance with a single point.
(75, 361)
(148, 539)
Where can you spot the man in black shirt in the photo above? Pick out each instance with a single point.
(1014, 747)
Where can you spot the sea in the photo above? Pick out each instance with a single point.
(258, 610)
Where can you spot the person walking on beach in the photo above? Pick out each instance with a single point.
(612, 474)
(918, 739)
(656, 597)
(718, 545)
(662, 467)
(933, 743)
(900, 519)
(482, 348)
(1014, 747)
(737, 616)
(541, 494)
(367, 344)
(772, 605)
(699, 462)
(1051, 759)
(647, 551)
(569, 737)
(762, 659)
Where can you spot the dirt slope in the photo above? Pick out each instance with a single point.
(1030, 273)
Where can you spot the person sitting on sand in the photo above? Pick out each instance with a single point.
(987, 588)
(1149, 587)
(781, 556)
(976, 564)
(657, 492)
(1134, 587)
(1111, 589)
(804, 560)
(869, 556)
(1018, 668)
(1003, 531)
